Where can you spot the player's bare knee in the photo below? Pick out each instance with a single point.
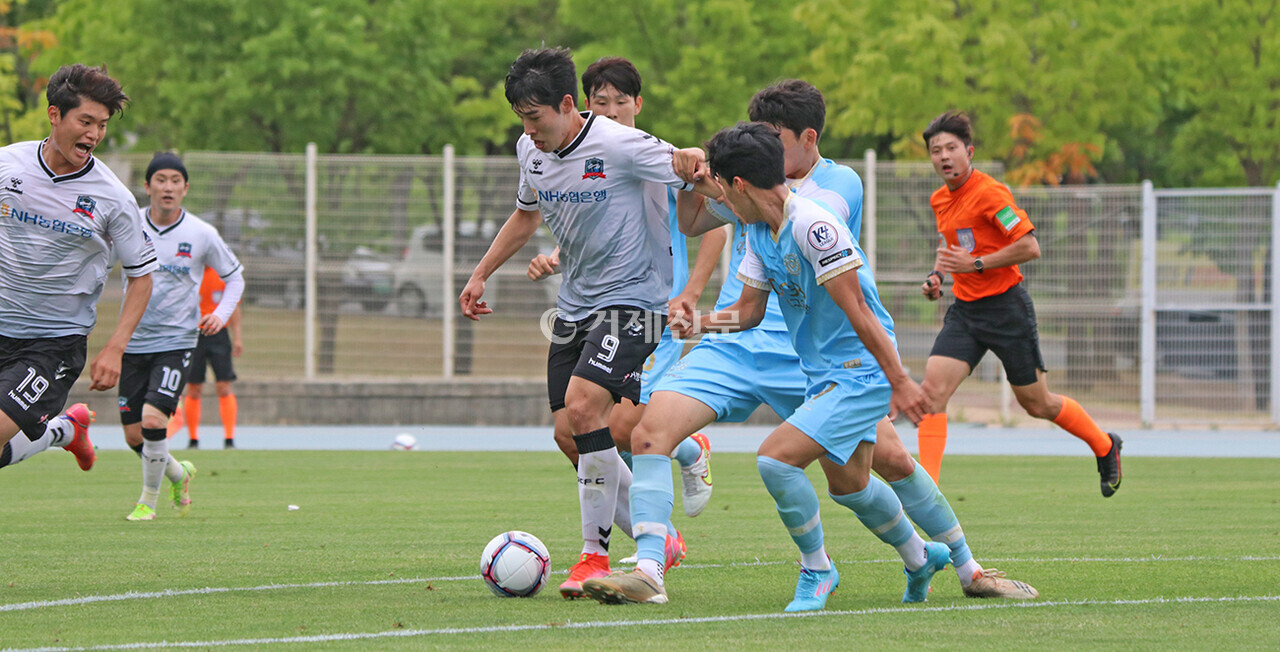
(1038, 408)
(894, 466)
(224, 389)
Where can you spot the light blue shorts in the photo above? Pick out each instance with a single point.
(734, 374)
(842, 411)
(657, 364)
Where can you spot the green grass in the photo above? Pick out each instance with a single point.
(1204, 528)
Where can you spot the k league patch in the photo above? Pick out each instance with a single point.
(822, 236)
(85, 205)
(594, 169)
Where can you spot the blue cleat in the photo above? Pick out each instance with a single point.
(937, 556)
(813, 588)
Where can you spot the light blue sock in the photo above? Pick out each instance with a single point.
(687, 452)
(626, 459)
(796, 500)
(651, 501)
(927, 507)
(879, 510)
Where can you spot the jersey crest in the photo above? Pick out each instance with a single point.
(792, 263)
(184, 250)
(85, 205)
(593, 169)
(965, 238)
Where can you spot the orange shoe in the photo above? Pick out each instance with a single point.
(588, 567)
(675, 550)
(80, 417)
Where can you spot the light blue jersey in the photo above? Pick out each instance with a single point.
(811, 248)
(733, 373)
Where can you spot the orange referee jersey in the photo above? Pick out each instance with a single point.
(982, 217)
(211, 287)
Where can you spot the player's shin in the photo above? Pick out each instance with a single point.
(599, 468)
(878, 509)
(652, 499)
(155, 456)
(798, 507)
(928, 508)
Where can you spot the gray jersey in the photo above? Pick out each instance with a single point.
(183, 249)
(56, 236)
(594, 197)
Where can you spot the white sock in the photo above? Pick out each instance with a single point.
(598, 478)
(651, 568)
(58, 432)
(967, 570)
(912, 552)
(155, 456)
(173, 470)
(816, 560)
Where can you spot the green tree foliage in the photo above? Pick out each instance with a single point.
(22, 115)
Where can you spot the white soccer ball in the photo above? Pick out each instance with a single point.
(404, 442)
(515, 564)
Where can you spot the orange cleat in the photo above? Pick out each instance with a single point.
(80, 417)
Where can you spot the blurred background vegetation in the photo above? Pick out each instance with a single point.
(1185, 93)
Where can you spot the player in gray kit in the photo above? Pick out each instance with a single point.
(159, 355)
(61, 212)
(586, 176)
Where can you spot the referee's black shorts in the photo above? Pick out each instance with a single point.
(1004, 324)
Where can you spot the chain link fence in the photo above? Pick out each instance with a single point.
(384, 309)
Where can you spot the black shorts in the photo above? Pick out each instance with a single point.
(608, 348)
(212, 350)
(155, 378)
(1004, 324)
(36, 377)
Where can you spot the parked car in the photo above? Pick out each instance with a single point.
(418, 277)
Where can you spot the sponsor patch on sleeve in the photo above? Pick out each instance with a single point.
(843, 253)
(1008, 217)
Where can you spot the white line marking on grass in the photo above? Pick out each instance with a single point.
(168, 593)
(448, 631)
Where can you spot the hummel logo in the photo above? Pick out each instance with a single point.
(15, 185)
(61, 373)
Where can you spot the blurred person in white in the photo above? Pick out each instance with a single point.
(159, 354)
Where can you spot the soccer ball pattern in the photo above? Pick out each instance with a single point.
(515, 564)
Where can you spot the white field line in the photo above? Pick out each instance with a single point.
(613, 624)
(169, 593)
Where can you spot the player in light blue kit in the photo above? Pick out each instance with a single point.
(844, 338)
(727, 376)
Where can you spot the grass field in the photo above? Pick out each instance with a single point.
(383, 554)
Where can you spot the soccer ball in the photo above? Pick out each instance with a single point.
(515, 564)
(404, 442)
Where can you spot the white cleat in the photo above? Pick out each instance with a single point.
(696, 479)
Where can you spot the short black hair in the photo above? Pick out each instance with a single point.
(166, 161)
(955, 123)
(71, 83)
(792, 103)
(751, 150)
(542, 78)
(611, 71)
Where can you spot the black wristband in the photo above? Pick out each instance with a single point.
(935, 273)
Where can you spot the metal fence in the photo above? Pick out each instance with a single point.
(392, 240)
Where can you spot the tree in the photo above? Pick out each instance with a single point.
(21, 108)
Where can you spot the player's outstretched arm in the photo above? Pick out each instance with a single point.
(104, 371)
(513, 235)
(747, 312)
(908, 398)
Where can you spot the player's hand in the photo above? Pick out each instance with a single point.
(932, 287)
(543, 266)
(210, 324)
(690, 164)
(237, 348)
(104, 371)
(684, 304)
(954, 259)
(908, 400)
(469, 300)
(683, 324)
